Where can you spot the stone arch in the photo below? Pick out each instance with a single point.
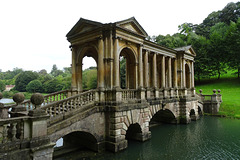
(187, 76)
(85, 51)
(131, 70)
(200, 112)
(134, 132)
(165, 116)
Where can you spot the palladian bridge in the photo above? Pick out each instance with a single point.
(159, 88)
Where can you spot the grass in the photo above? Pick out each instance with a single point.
(230, 90)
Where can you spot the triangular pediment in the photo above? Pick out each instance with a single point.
(83, 25)
(187, 49)
(132, 25)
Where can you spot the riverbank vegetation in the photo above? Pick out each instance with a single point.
(230, 90)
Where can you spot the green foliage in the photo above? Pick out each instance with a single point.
(89, 80)
(34, 86)
(23, 79)
(8, 94)
(216, 42)
(52, 86)
(230, 90)
(233, 43)
(55, 71)
(123, 72)
(2, 86)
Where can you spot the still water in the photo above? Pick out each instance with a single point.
(6, 100)
(207, 138)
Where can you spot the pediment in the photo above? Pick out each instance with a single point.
(132, 25)
(187, 49)
(83, 25)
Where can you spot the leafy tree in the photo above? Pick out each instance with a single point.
(217, 51)
(43, 72)
(23, 79)
(123, 72)
(34, 86)
(52, 86)
(233, 43)
(2, 86)
(89, 78)
(55, 71)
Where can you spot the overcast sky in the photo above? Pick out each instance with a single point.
(33, 32)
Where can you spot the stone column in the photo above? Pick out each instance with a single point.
(175, 74)
(169, 73)
(146, 69)
(79, 77)
(116, 65)
(163, 72)
(192, 75)
(154, 70)
(183, 74)
(100, 64)
(74, 77)
(140, 68)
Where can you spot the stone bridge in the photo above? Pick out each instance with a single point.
(159, 88)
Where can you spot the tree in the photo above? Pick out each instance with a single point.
(34, 86)
(123, 72)
(218, 52)
(55, 71)
(23, 79)
(233, 43)
(89, 78)
(52, 86)
(43, 72)
(2, 86)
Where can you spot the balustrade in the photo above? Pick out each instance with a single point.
(68, 104)
(128, 94)
(11, 129)
(50, 98)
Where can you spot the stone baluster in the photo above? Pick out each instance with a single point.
(5, 133)
(3, 109)
(14, 131)
(219, 95)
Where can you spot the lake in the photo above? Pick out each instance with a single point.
(6, 100)
(208, 138)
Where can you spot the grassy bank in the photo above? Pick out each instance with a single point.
(230, 90)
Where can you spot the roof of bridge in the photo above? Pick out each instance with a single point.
(130, 25)
(186, 49)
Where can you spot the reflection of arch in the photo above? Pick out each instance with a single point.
(192, 114)
(187, 74)
(134, 131)
(165, 116)
(80, 140)
(89, 51)
(200, 111)
(130, 57)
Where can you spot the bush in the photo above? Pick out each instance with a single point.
(34, 86)
(23, 79)
(52, 86)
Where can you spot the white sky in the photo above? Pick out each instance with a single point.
(33, 32)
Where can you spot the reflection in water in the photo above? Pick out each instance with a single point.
(208, 138)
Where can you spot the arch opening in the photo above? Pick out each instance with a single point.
(134, 132)
(87, 70)
(163, 116)
(76, 141)
(127, 66)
